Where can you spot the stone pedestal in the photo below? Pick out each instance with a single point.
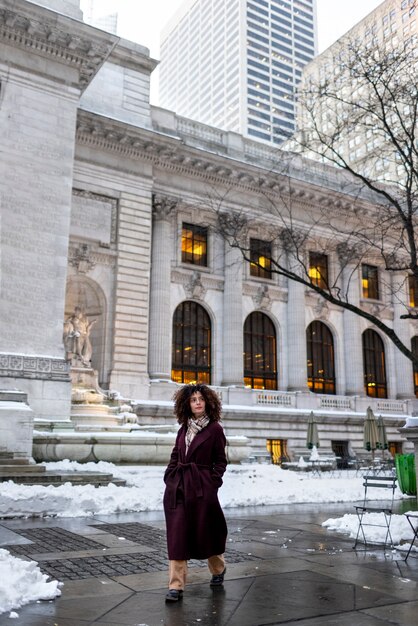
(16, 426)
(90, 405)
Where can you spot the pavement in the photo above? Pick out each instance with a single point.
(283, 567)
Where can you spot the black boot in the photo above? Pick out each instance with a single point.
(174, 595)
(217, 580)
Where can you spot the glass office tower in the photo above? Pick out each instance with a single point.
(235, 64)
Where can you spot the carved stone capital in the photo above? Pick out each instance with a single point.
(292, 240)
(163, 206)
(348, 253)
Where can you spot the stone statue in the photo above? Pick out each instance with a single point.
(77, 338)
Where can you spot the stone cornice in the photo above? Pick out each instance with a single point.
(133, 56)
(49, 34)
(170, 153)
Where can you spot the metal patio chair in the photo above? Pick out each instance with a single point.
(382, 507)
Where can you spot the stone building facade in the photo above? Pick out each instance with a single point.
(108, 205)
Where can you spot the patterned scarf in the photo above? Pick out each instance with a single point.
(194, 427)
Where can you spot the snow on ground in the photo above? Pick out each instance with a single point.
(244, 485)
(22, 582)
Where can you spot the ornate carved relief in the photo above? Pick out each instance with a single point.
(256, 291)
(321, 309)
(80, 258)
(84, 257)
(44, 368)
(195, 288)
(262, 298)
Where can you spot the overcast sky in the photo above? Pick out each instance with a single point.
(143, 20)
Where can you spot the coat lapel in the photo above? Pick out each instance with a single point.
(198, 440)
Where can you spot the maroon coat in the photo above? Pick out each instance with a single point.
(196, 527)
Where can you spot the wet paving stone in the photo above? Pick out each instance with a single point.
(283, 567)
(138, 533)
(107, 565)
(59, 540)
(46, 540)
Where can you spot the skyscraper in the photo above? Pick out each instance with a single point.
(236, 64)
(93, 14)
(391, 31)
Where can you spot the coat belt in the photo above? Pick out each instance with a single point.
(180, 470)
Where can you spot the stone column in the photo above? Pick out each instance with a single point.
(353, 347)
(296, 328)
(129, 374)
(403, 366)
(233, 331)
(159, 363)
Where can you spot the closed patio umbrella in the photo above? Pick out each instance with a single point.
(382, 443)
(370, 433)
(312, 439)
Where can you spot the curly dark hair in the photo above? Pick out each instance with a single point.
(182, 397)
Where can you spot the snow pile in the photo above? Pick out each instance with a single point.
(244, 485)
(375, 534)
(22, 582)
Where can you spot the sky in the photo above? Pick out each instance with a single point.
(142, 21)
(22, 582)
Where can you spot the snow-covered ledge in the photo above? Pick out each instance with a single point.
(138, 445)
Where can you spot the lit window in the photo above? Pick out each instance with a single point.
(260, 358)
(413, 291)
(320, 358)
(318, 269)
(369, 282)
(374, 365)
(260, 258)
(194, 243)
(191, 350)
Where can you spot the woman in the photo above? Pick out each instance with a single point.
(196, 527)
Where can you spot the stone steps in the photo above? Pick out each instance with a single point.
(59, 478)
(20, 468)
(8, 458)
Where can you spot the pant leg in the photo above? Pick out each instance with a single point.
(216, 564)
(177, 572)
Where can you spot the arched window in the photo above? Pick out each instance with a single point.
(260, 370)
(414, 348)
(374, 365)
(191, 344)
(320, 352)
